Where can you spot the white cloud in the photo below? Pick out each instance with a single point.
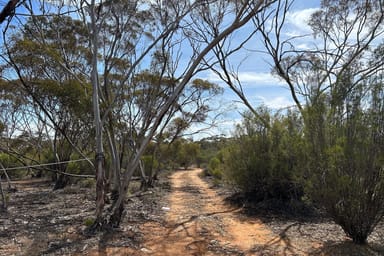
(260, 78)
(299, 19)
(277, 102)
(62, 2)
(251, 78)
(303, 46)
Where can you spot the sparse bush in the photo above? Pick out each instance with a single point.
(89, 221)
(263, 161)
(150, 163)
(79, 168)
(214, 168)
(10, 161)
(87, 183)
(346, 159)
(217, 174)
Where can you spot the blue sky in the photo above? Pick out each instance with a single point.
(254, 68)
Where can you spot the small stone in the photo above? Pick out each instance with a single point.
(85, 247)
(145, 250)
(71, 230)
(213, 242)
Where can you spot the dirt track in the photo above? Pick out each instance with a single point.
(200, 223)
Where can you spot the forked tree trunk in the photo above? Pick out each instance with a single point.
(116, 214)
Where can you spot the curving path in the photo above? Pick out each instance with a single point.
(198, 222)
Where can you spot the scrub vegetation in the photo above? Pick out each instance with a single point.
(107, 99)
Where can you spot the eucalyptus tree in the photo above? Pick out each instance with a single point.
(172, 22)
(192, 107)
(241, 15)
(16, 123)
(123, 38)
(13, 101)
(332, 86)
(59, 101)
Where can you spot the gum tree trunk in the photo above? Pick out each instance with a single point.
(99, 153)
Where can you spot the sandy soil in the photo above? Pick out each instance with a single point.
(200, 223)
(184, 216)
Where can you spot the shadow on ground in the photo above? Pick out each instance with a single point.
(282, 244)
(348, 248)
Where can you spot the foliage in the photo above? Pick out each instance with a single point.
(346, 158)
(265, 161)
(87, 183)
(55, 111)
(179, 153)
(344, 118)
(211, 148)
(187, 154)
(89, 221)
(150, 163)
(79, 167)
(9, 161)
(214, 168)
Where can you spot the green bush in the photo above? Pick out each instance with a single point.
(89, 221)
(81, 167)
(214, 169)
(87, 183)
(348, 181)
(346, 164)
(9, 161)
(150, 163)
(264, 161)
(217, 174)
(214, 164)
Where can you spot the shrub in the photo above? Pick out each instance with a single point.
(346, 161)
(262, 160)
(214, 168)
(89, 221)
(150, 163)
(87, 183)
